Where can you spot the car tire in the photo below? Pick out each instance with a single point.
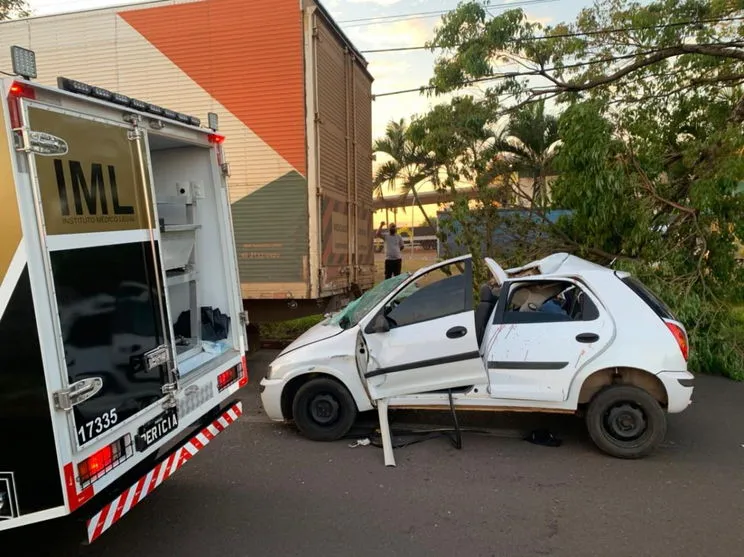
(324, 410)
(625, 421)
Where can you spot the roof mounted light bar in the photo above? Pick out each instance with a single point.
(80, 88)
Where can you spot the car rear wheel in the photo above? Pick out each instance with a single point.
(324, 410)
(626, 422)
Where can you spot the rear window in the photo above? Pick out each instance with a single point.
(651, 299)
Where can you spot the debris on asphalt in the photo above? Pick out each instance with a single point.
(543, 437)
(360, 443)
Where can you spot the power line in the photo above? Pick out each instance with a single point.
(394, 18)
(577, 34)
(542, 71)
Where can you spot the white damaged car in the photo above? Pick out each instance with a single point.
(558, 335)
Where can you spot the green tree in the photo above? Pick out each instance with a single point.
(530, 143)
(408, 166)
(651, 134)
(10, 9)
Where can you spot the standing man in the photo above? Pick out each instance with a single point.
(393, 246)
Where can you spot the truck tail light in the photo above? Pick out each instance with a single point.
(243, 373)
(238, 373)
(227, 378)
(216, 138)
(681, 337)
(104, 460)
(18, 91)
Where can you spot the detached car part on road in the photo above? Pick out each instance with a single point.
(558, 335)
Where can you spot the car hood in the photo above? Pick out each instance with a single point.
(322, 331)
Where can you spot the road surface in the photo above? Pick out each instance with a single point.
(261, 490)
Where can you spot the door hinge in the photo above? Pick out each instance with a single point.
(243, 316)
(157, 357)
(169, 390)
(134, 135)
(76, 393)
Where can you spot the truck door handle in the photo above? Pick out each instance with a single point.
(587, 337)
(457, 332)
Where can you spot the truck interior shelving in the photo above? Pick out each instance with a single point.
(191, 245)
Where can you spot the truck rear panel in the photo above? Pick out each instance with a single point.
(126, 275)
(344, 147)
(246, 62)
(30, 481)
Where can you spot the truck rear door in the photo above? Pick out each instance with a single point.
(104, 266)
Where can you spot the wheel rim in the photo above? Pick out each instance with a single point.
(625, 422)
(324, 409)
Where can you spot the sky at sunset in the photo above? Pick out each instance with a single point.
(382, 24)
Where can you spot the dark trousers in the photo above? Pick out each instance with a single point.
(392, 267)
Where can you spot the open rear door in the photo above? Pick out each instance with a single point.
(423, 339)
(105, 267)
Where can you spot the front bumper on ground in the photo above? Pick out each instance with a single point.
(271, 398)
(678, 385)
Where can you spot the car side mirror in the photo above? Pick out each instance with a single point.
(379, 324)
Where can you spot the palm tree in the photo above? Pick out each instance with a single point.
(408, 165)
(530, 143)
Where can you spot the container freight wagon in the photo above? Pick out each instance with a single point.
(293, 97)
(121, 338)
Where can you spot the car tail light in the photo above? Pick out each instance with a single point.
(227, 378)
(104, 460)
(681, 337)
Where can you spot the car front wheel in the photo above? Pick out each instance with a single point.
(626, 422)
(324, 410)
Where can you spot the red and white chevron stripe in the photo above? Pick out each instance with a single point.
(120, 506)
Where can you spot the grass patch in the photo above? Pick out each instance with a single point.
(289, 330)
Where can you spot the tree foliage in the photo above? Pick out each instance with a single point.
(652, 149)
(10, 9)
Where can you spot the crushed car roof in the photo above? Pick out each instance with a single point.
(558, 263)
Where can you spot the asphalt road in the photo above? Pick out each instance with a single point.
(261, 490)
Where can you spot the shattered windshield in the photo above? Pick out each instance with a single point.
(353, 313)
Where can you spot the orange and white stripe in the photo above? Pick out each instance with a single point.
(120, 506)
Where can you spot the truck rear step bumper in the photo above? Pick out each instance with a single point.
(121, 505)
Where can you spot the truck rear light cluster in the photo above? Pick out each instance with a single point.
(681, 337)
(104, 460)
(227, 378)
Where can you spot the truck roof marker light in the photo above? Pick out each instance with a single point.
(21, 90)
(16, 92)
(216, 138)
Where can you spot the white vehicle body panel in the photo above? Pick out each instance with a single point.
(527, 374)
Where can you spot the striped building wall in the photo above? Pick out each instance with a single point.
(242, 60)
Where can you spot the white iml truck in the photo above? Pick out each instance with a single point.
(121, 319)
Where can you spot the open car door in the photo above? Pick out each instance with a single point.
(423, 337)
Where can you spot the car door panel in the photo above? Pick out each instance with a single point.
(538, 360)
(431, 343)
(419, 358)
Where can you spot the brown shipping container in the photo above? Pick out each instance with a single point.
(294, 100)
